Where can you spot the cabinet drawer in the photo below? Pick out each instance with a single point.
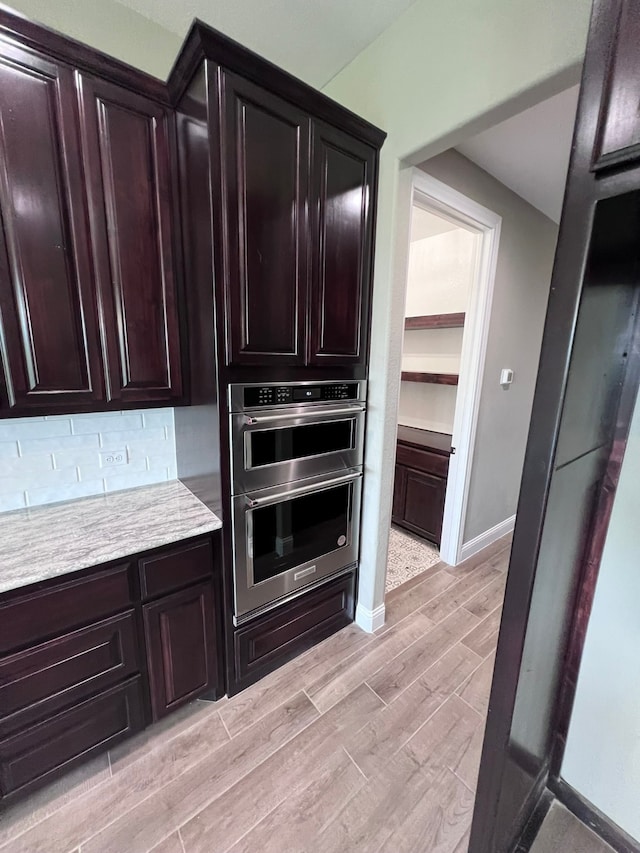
(422, 460)
(40, 681)
(173, 569)
(275, 638)
(36, 754)
(38, 615)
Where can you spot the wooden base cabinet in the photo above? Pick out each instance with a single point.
(179, 632)
(88, 661)
(421, 482)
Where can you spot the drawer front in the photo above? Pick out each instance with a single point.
(39, 682)
(176, 568)
(271, 640)
(39, 753)
(422, 460)
(36, 616)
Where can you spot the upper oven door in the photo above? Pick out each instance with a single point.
(275, 447)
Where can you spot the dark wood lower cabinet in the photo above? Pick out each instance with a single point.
(89, 660)
(271, 640)
(420, 484)
(40, 752)
(179, 632)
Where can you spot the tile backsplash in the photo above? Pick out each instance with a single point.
(46, 460)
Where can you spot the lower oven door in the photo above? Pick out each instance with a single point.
(288, 537)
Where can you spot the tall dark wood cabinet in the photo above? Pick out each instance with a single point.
(343, 185)
(89, 314)
(50, 346)
(266, 185)
(278, 190)
(126, 150)
(585, 397)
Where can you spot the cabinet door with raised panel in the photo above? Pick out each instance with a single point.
(127, 163)
(49, 345)
(180, 631)
(342, 234)
(266, 173)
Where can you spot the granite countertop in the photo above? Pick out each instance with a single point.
(45, 542)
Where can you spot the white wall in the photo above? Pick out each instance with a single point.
(46, 460)
(602, 758)
(440, 273)
(523, 276)
(439, 281)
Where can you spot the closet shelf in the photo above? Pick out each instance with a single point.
(435, 321)
(431, 378)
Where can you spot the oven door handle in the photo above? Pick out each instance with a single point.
(253, 503)
(312, 413)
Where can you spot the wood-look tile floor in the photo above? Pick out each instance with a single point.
(365, 743)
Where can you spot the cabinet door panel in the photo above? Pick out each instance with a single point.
(618, 139)
(49, 340)
(180, 633)
(343, 180)
(266, 195)
(424, 504)
(126, 151)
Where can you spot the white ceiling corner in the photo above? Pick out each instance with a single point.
(529, 152)
(313, 39)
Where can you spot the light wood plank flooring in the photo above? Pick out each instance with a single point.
(365, 743)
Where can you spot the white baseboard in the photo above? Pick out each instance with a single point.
(370, 620)
(479, 542)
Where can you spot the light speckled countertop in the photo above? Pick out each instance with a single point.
(48, 541)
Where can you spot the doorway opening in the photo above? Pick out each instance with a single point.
(452, 256)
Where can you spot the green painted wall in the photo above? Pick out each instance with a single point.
(442, 72)
(110, 27)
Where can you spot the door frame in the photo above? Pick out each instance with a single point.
(439, 198)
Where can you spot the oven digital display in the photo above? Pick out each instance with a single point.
(305, 393)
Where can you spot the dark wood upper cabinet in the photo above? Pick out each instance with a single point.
(618, 138)
(49, 332)
(342, 233)
(265, 173)
(126, 149)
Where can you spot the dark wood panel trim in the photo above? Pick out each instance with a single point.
(594, 547)
(435, 321)
(203, 40)
(592, 817)
(430, 378)
(38, 37)
(531, 830)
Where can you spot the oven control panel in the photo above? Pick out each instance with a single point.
(256, 396)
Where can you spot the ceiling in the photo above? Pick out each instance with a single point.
(313, 39)
(529, 152)
(425, 224)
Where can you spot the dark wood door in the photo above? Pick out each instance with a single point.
(342, 237)
(180, 633)
(126, 139)
(266, 176)
(49, 329)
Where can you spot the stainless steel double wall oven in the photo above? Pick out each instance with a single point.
(296, 464)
